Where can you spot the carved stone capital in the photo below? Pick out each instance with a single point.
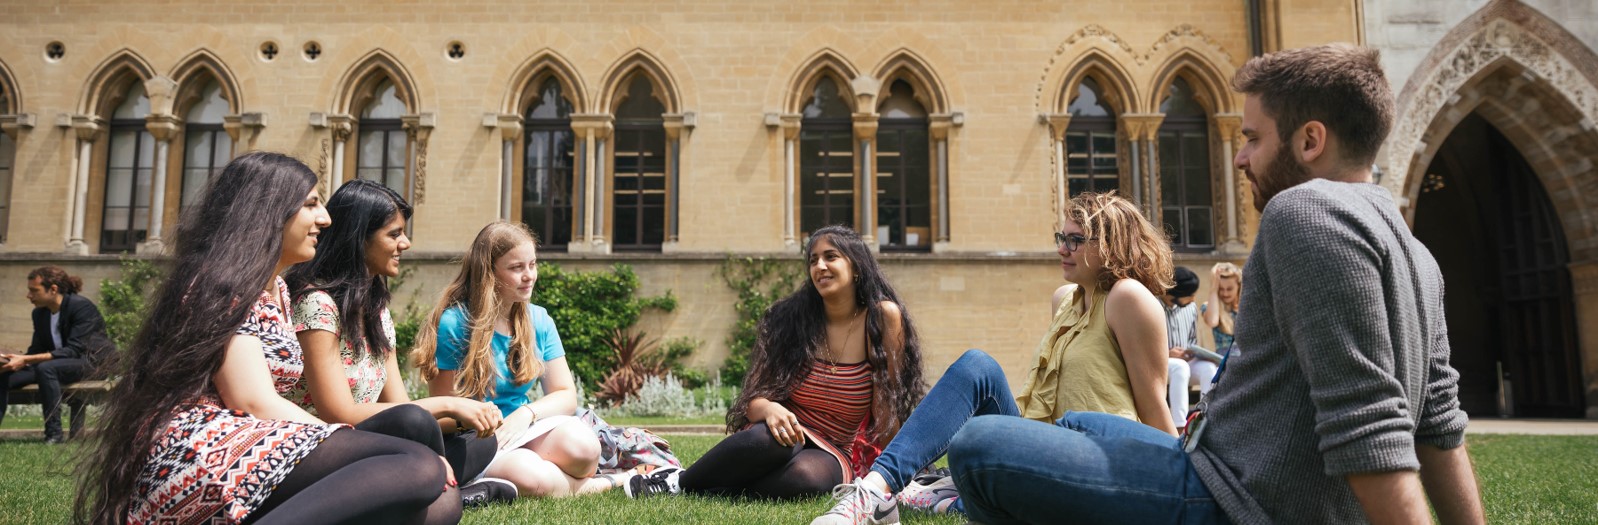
(1227, 124)
(1058, 123)
(162, 91)
(790, 123)
(88, 127)
(865, 126)
(597, 125)
(939, 124)
(163, 127)
(865, 93)
(508, 124)
(12, 125)
(1141, 126)
(243, 128)
(679, 124)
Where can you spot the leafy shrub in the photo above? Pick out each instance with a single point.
(758, 282)
(589, 308)
(665, 396)
(636, 360)
(122, 300)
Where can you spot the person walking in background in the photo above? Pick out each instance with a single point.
(69, 341)
(834, 374)
(196, 429)
(486, 341)
(1104, 352)
(1344, 352)
(351, 366)
(1183, 367)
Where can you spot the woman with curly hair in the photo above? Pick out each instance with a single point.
(1104, 352)
(833, 375)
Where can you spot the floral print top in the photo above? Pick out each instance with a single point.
(316, 310)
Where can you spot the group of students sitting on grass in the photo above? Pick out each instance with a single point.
(264, 386)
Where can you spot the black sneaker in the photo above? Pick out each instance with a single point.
(487, 491)
(663, 481)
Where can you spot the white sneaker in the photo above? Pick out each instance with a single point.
(662, 481)
(859, 504)
(930, 494)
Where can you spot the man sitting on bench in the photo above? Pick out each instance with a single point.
(69, 340)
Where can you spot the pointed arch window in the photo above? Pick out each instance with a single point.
(206, 146)
(638, 210)
(383, 145)
(1186, 196)
(904, 172)
(125, 211)
(8, 154)
(1091, 149)
(826, 160)
(548, 168)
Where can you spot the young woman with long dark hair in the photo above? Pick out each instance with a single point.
(196, 429)
(486, 341)
(1104, 352)
(833, 375)
(351, 366)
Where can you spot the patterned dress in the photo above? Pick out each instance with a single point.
(833, 405)
(216, 465)
(367, 372)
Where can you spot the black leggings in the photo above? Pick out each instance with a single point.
(355, 476)
(752, 463)
(467, 453)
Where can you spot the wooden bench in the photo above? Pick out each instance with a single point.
(76, 396)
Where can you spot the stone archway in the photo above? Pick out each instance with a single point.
(1529, 81)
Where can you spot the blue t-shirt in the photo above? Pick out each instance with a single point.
(454, 334)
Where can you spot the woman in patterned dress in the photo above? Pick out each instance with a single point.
(341, 314)
(486, 340)
(196, 430)
(835, 372)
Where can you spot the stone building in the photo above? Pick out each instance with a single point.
(1494, 157)
(664, 136)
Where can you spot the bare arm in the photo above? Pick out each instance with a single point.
(560, 389)
(1138, 323)
(1390, 497)
(329, 385)
(1450, 484)
(245, 383)
(1212, 309)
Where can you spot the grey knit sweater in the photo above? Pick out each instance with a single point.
(1344, 363)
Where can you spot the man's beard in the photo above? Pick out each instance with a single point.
(1285, 172)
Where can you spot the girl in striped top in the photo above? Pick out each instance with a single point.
(835, 372)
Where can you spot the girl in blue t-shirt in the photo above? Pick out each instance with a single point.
(486, 341)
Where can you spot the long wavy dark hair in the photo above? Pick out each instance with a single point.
(793, 334)
(227, 250)
(359, 210)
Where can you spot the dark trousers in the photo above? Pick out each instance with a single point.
(467, 453)
(50, 376)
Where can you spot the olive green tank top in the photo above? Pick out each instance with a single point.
(1078, 365)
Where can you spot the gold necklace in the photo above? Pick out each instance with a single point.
(831, 360)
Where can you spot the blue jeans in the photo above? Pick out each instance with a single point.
(973, 386)
(1090, 467)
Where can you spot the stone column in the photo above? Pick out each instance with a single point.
(1142, 130)
(88, 129)
(243, 128)
(1584, 282)
(679, 126)
(1058, 122)
(790, 124)
(865, 136)
(592, 129)
(163, 128)
(510, 131)
(418, 128)
(1227, 125)
(940, 126)
(340, 127)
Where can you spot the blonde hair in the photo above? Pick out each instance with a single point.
(473, 290)
(1131, 247)
(1224, 271)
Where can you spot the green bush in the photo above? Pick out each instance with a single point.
(758, 282)
(122, 300)
(590, 307)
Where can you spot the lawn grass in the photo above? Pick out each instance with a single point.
(1525, 479)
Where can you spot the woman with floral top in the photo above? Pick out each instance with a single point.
(341, 315)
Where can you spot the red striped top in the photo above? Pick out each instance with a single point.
(833, 403)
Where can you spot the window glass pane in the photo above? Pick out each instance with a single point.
(386, 105)
(1179, 102)
(1075, 186)
(371, 149)
(123, 145)
(146, 150)
(135, 105)
(141, 187)
(1088, 103)
(141, 218)
(1171, 216)
(550, 104)
(1170, 169)
(197, 149)
(901, 103)
(210, 108)
(1196, 167)
(826, 101)
(193, 181)
(117, 218)
(640, 102)
(394, 178)
(826, 176)
(224, 149)
(1200, 227)
(396, 150)
(1104, 154)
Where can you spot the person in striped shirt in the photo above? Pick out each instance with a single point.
(834, 374)
(1184, 369)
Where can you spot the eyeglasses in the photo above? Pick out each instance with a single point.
(1071, 242)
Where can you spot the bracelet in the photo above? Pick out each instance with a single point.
(530, 409)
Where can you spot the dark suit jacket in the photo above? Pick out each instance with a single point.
(82, 331)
